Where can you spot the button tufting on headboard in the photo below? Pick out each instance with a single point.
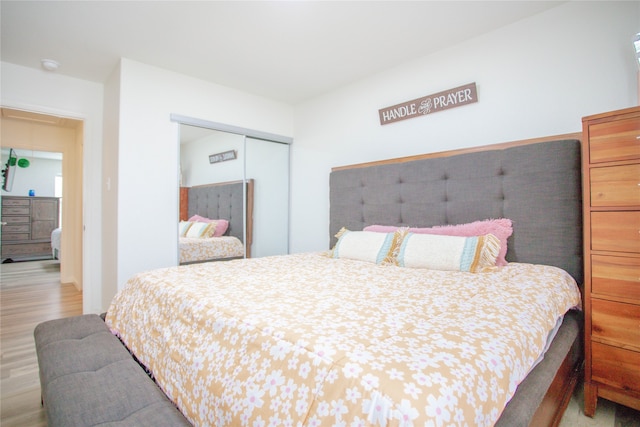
(536, 185)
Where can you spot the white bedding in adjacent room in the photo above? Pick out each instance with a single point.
(55, 242)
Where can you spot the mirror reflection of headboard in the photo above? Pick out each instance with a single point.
(223, 200)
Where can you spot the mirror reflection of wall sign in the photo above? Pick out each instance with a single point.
(451, 98)
(224, 156)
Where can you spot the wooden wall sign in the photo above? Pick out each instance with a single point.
(451, 98)
(221, 157)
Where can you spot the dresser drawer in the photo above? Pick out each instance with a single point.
(615, 186)
(15, 210)
(616, 276)
(26, 249)
(616, 323)
(15, 228)
(614, 140)
(20, 219)
(15, 202)
(615, 231)
(615, 366)
(15, 237)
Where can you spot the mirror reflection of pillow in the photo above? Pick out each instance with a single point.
(220, 227)
(183, 227)
(200, 229)
(198, 218)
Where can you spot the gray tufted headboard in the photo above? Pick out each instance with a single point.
(535, 184)
(224, 201)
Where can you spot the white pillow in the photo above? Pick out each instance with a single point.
(183, 227)
(200, 229)
(379, 248)
(450, 253)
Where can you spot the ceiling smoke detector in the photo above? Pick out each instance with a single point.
(49, 64)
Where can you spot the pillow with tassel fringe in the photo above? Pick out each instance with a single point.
(450, 253)
(502, 228)
(379, 248)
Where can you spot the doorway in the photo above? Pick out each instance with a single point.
(32, 131)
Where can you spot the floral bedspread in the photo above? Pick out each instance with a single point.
(201, 249)
(307, 340)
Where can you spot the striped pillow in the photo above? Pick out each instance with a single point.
(379, 248)
(450, 253)
(201, 229)
(183, 227)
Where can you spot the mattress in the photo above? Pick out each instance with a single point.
(306, 339)
(213, 248)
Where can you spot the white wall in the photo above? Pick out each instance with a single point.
(535, 78)
(147, 153)
(195, 168)
(38, 176)
(36, 90)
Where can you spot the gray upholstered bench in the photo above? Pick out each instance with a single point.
(88, 378)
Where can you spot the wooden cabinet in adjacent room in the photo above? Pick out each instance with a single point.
(611, 184)
(27, 226)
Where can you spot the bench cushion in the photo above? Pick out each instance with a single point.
(88, 378)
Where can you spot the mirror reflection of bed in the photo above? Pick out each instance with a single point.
(211, 195)
(213, 165)
(212, 221)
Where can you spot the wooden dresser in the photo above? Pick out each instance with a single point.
(611, 194)
(27, 226)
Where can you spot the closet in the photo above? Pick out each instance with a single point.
(258, 156)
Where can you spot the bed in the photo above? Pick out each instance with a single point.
(55, 243)
(349, 337)
(221, 202)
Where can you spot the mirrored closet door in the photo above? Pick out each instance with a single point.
(236, 175)
(267, 165)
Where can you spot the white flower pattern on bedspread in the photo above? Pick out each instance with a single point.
(307, 340)
(194, 249)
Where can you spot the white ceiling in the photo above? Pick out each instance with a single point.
(285, 50)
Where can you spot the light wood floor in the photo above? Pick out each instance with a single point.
(30, 292)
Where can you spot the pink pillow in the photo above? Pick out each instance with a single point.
(381, 228)
(221, 224)
(221, 227)
(502, 228)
